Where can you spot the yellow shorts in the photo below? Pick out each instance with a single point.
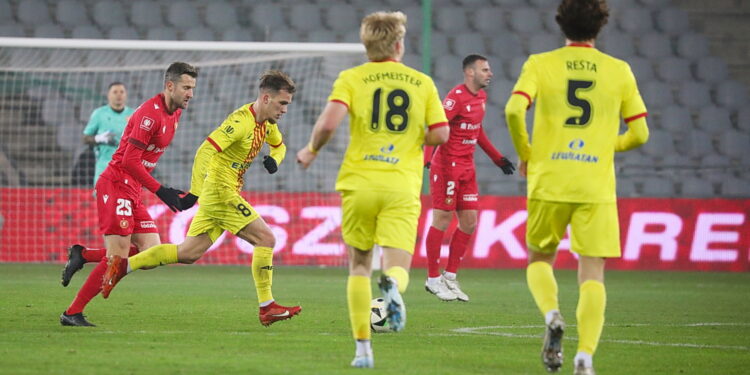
(218, 213)
(594, 227)
(388, 219)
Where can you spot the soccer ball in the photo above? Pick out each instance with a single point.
(378, 315)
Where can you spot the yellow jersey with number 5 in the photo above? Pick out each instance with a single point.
(579, 94)
(390, 106)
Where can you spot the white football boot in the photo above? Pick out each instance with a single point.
(454, 287)
(439, 289)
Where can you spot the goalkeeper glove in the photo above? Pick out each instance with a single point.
(106, 137)
(270, 164)
(188, 200)
(506, 165)
(171, 197)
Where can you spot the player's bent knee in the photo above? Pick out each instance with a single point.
(188, 256)
(266, 239)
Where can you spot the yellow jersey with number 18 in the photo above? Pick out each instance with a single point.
(390, 104)
(580, 94)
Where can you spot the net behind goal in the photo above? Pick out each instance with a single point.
(48, 89)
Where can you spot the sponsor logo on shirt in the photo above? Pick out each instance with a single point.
(237, 165)
(382, 158)
(387, 149)
(576, 144)
(152, 148)
(148, 164)
(469, 142)
(468, 126)
(147, 123)
(449, 104)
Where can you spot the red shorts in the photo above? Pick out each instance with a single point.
(121, 211)
(453, 186)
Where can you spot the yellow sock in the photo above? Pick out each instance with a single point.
(263, 272)
(158, 255)
(358, 296)
(590, 315)
(543, 286)
(400, 275)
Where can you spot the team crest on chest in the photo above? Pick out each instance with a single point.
(147, 123)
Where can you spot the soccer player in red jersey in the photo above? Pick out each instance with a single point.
(123, 218)
(453, 183)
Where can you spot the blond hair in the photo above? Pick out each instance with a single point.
(379, 33)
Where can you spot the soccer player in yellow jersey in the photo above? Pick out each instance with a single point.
(218, 170)
(393, 110)
(580, 94)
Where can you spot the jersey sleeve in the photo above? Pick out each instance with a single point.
(203, 156)
(92, 127)
(276, 143)
(451, 105)
(228, 132)
(435, 115)
(520, 100)
(632, 103)
(341, 92)
(526, 85)
(488, 148)
(144, 125)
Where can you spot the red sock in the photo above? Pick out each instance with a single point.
(93, 255)
(96, 255)
(434, 242)
(459, 242)
(91, 287)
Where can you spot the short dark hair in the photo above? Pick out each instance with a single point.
(276, 80)
(115, 83)
(471, 59)
(177, 69)
(582, 20)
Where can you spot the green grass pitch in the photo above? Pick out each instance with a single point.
(203, 320)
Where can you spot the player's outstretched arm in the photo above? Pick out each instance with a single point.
(131, 162)
(278, 150)
(326, 125)
(437, 135)
(635, 136)
(203, 155)
(429, 152)
(515, 116)
(495, 155)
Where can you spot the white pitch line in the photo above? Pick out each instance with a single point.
(479, 331)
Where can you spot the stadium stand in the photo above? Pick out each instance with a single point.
(695, 90)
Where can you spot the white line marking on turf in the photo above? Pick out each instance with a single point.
(482, 331)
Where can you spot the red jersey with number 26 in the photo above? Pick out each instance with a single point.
(147, 135)
(465, 113)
